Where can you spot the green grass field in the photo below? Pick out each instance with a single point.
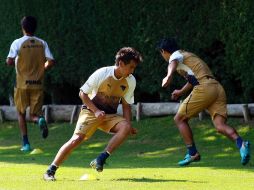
(146, 161)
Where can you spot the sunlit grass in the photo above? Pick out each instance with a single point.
(146, 161)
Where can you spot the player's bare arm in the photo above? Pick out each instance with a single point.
(126, 110)
(171, 69)
(10, 61)
(177, 93)
(87, 101)
(127, 115)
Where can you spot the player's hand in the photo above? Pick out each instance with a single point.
(134, 131)
(175, 94)
(99, 114)
(165, 82)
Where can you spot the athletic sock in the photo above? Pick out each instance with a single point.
(192, 149)
(103, 156)
(239, 142)
(52, 169)
(25, 140)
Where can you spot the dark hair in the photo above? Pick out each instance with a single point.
(29, 24)
(126, 54)
(168, 44)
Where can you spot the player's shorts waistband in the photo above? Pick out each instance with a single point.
(84, 107)
(207, 79)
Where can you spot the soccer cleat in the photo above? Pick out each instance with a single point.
(43, 127)
(188, 159)
(97, 164)
(245, 152)
(49, 177)
(26, 148)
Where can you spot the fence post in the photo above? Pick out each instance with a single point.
(74, 111)
(45, 109)
(201, 115)
(138, 111)
(246, 113)
(1, 116)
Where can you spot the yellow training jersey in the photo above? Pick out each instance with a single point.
(192, 68)
(106, 91)
(30, 55)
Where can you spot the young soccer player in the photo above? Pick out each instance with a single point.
(101, 95)
(31, 57)
(207, 93)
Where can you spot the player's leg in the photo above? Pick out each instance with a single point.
(121, 130)
(21, 103)
(62, 154)
(244, 146)
(36, 101)
(86, 126)
(218, 112)
(23, 130)
(200, 98)
(187, 135)
(183, 126)
(221, 126)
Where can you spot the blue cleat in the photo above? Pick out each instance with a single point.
(188, 159)
(43, 127)
(26, 148)
(245, 152)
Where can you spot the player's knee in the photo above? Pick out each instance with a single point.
(177, 119)
(123, 128)
(76, 140)
(127, 128)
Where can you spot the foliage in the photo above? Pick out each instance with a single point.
(84, 35)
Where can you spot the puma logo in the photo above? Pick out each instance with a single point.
(123, 87)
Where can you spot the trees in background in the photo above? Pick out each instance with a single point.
(84, 35)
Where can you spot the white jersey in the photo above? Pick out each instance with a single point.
(16, 46)
(106, 91)
(191, 67)
(30, 54)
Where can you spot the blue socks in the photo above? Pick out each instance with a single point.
(52, 169)
(239, 142)
(192, 149)
(104, 156)
(25, 140)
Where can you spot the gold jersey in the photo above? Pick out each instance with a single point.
(106, 91)
(192, 68)
(30, 55)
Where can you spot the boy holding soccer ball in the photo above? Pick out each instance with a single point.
(101, 95)
(206, 93)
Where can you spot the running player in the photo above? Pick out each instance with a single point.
(101, 95)
(31, 57)
(207, 93)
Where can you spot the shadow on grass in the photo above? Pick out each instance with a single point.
(157, 145)
(150, 180)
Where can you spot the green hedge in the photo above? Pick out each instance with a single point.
(85, 34)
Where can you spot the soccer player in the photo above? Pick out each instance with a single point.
(31, 57)
(101, 95)
(207, 93)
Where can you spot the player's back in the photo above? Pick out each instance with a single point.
(30, 63)
(197, 65)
